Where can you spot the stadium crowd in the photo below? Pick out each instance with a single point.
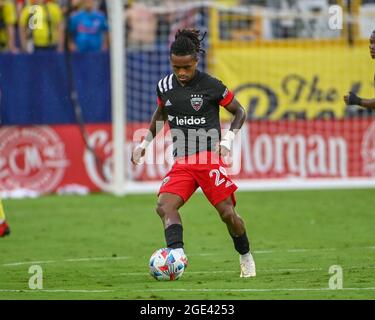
(28, 26)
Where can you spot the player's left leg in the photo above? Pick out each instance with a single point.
(4, 228)
(237, 230)
(219, 190)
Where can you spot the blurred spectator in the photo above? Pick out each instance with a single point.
(285, 26)
(254, 2)
(19, 6)
(142, 26)
(312, 19)
(89, 29)
(74, 6)
(41, 27)
(186, 18)
(8, 19)
(102, 6)
(228, 3)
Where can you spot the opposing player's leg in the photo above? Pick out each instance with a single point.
(237, 231)
(4, 227)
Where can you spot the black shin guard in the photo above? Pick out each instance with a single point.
(241, 243)
(173, 236)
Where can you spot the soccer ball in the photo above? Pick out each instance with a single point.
(167, 264)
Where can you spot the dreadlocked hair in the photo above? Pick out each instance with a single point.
(187, 42)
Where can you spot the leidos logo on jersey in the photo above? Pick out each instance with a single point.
(188, 120)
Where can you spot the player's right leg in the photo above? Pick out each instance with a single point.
(167, 209)
(176, 189)
(4, 227)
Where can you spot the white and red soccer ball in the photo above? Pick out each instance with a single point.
(167, 264)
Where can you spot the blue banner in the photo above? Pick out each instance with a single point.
(34, 88)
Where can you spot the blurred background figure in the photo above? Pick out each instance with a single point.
(8, 19)
(41, 26)
(102, 6)
(142, 24)
(4, 227)
(89, 29)
(74, 6)
(19, 6)
(285, 25)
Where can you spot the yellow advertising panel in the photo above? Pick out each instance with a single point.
(301, 82)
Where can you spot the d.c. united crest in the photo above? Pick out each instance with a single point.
(196, 101)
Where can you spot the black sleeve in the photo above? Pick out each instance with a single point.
(159, 99)
(222, 94)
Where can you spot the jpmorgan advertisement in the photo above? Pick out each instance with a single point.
(43, 159)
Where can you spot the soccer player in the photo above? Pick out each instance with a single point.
(352, 98)
(4, 228)
(190, 100)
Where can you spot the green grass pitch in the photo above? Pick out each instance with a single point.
(98, 247)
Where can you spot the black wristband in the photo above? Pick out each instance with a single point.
(354, 99)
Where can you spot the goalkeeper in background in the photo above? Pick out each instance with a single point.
(190, 101)
(352, 98)
(4, 228)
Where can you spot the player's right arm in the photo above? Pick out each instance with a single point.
(139, 151)
(353, 99)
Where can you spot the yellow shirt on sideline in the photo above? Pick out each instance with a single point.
(43, 22)
(7, 17)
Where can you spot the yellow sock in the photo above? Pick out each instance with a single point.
(2, 214)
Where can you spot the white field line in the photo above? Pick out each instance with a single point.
(57, 290)
(186, 290)
(301, 250)
(13, 264)
(228, 271)
(64, 260)
(259, 271)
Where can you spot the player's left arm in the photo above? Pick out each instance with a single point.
(235, 108)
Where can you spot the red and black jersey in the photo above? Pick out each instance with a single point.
(193, 111)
